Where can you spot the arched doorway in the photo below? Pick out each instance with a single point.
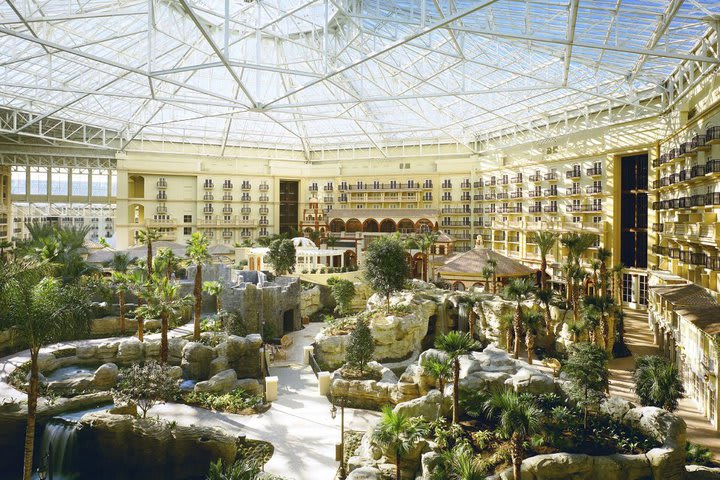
(136, 186)
(459, 286)
(387, 226)
(406, 226)
(337, 226)
(418, 261)
(350, 258)
(370, 225)
(353, 225)
(423, 225)
(410, 263)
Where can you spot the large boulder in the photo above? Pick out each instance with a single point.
(370, 394)
(106, 376)
(697, 472)
(129, 350)
(196, 359)
(222, 382)
(365, 473)
(428, 406)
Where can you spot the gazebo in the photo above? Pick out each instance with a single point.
(464, 270)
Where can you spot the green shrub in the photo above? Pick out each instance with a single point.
(698, 455)
(236, 401)
(145, 386)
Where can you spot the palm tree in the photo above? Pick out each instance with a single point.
(4, 244)
(119, 282)
(166, 262)
(603, 255)
(398, 433)
(455, 344)
(439, 368)
(532, 319)
(137, 284)
(120, 262)
(604, 307)
(518, 290)
(595, 266)
(545, 241)
(592, 317)
(576, 329)
(163, 302)
(493, 265)
(487, 273)
(574, 275)
(518, 418)
(197, 252)
(506, 327)
(617, 272)
(44, 311)
(215, 289)
(545, 297)
(424, 242)
(658, 382)
(147, 237)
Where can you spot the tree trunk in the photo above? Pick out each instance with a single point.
(517, 327)
(456, 387)
(32, 411)
(508, 339)
(197, 292)
(218, 302)
(149, 256)
(549, 327)
(487, 284)
(141, 327)
(543, 267)
(164, 347)
(530, 345)
(397, 466)
(494, 283)
(516, 454)
(471, 323)
(603, 280)
(425, 267)
(121, 301)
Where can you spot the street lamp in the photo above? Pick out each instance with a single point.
(340, 449)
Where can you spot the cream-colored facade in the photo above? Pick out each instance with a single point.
(6, 218)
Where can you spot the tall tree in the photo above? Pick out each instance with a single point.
(119, 282)
(146, 237)
(137, 283)
(386, 268)
(658, 382)
(518, 418)
(532, 319)
(425, 242)
(493, 267)
(198, 255)
(505, 321)
(163, 302)
(166, 262)
(455, 344)
(545, 297)
(361, 347)
(398, 433)
(603, 255)
(343, 292)
(44, 311)
(587, 370)
(518, 290)
(282, 256)
(488, 272)
(545, 241)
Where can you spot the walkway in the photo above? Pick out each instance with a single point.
(639, 339)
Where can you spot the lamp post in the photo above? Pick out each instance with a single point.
(341, 452)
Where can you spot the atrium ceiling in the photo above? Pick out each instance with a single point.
(310, 74)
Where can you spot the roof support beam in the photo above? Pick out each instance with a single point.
(572, 20)
(199, 24)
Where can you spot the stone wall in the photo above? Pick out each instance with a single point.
(266, 304)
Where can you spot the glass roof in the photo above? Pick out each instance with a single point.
(308, 74)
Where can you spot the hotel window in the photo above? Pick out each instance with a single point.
(99, 183)
(187, 230)
(538, 219)
(59, 181)
(187, 218)
(597, 219)
(576, 219)
(113, 184)
(38, 181)
(80, 179)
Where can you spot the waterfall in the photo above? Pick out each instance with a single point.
(261, 279)
(58, 444)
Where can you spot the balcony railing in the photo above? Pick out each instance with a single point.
(535, 209)
(551, 176)
(517, 194)
(227, 185)
(550, 192)
(593, 189)
(161, 184)
(712, 166)
(535, 178)
(208, 197)
(574, 173)
(712, 134)
(550, 209)
(313, 188)
(208, 185)
(534, 193)
(573, 191)
(264, 187)
(246, 186)
(594, 171)
(227, 198)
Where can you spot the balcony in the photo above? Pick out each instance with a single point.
(516, 194)
(712, 166)
(246, 186)
(712, 135)
(427, 197)
(227, 185)
(465, 184)
(227, 210)
(593, 189)
(161, 196)
(313, 188)
(490, 196)
(550, 209)
(536, 177)
(478, 184)
(208, 197)
(227, 234)
(446, 184)
(427, 185)
(573, 191)
(594, 172)
(264, 187)
(263, 210)
(247, 210)
(658, 227)
(712, 263)
(574, 173)
(478, 196)
(161, 183)
(327, 188)
(208, 209)
(455, 210)
(264, 198)
(505, 180)
(517, 178)
(264, 221)
(158, 209)
(534, 193)
(227, 198)
(490, 209)
(551, 177)
(245, 197)
(465, 197)
(490, 183)
(535, 209)
(697, 171)
(208, 185)
(550, 192)
(328, 199)
(517, 209)
(503, 196)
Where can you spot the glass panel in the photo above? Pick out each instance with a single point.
(19, 179)
(80, 181)
(38, 181)
(99, 183)
(59, 179)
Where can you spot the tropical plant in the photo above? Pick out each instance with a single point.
(518, 290)
(60, 247)
(460, 463)
(455, 344)
(545, 241)
(601, 308)
(361, 347)
(425, 242)
(576, 329)
(343, 292)
(145, 385)
(603, 255)
(487, 273)
(4, 245)
(146, 237)
(282, 256)
(136, 281)
(398, 433)
(163, 301)
(244, 469)
(386, 268)
(505, 321)
(493, 266)
(120, 262)
(532, 320)
(43, 311)
(658, 382)
(517, 418)
(198, 255)
(440, 368)
(545, 297)
(166, 262)
(698, 455)
(215, 289)
(120, 282)
(587, 370)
